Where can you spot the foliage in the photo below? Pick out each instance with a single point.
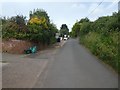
(40, 28)
(76, 27)
(85, 28)
(41, 21)
(101, 37)
(84, 20)
(40, 13)
(64, 30)
(14, 27)
(37, 29)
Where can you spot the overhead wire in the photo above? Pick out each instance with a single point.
(95, 8)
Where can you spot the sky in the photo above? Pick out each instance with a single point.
(62, 12)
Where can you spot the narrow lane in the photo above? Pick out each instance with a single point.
(75, 67)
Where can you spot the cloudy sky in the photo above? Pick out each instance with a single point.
(64, 11)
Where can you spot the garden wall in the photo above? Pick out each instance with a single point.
(15, 46)
(18, 46)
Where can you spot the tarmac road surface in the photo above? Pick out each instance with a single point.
(75, 67)
(68, 66)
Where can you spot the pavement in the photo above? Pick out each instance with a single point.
(68, 65)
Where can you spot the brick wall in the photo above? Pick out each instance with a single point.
(15, 46)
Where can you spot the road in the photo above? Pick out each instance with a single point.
(70, 66)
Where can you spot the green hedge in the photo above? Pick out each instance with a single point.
(102, 38)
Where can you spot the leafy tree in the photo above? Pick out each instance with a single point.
(14, 27)
(40, 27)
(39, 13)
(37, 29)
(85, 28)
(77, 26)
(84, 20)
(64, 30)
(76, 29)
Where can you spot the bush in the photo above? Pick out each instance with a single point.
(102, 38)
(38, 29)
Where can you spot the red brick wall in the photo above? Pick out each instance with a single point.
(15, 46)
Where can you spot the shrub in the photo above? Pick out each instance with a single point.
(102, 38)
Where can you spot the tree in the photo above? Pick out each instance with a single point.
(14, 27)
(37, 29)
(85, 28)
(77, 26)
(40, 13)
(40, 27)
(64, 30)
(76, 29)
(84, 20)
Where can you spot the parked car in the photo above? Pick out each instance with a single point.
(58, 39)
(65, 38)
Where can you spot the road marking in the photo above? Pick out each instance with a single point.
(43, 67)
(63, 43)
(41, 70)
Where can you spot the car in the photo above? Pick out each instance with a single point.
(65, 38)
